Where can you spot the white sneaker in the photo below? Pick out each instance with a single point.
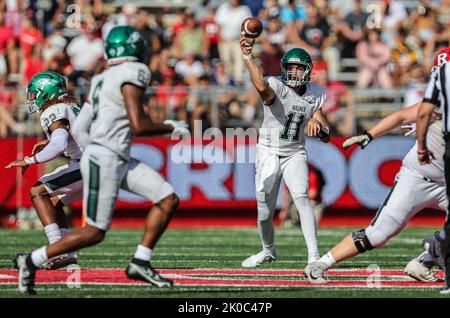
(259, 259)
(315, 272)
(421, 272)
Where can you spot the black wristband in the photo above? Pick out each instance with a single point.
(368, 135)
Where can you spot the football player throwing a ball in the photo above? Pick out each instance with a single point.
(290, 104)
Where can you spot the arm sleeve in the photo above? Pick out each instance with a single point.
(432, 92)
(81, 127)
(57, 145)
(320, 101)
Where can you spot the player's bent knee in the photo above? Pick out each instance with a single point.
(170, 203)
(93, 235)
(38, 191)
(361, 241)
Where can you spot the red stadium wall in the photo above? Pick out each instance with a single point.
(354, 179)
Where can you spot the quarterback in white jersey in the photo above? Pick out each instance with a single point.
(116, 96)
(416, 187)
(291, 103)
(47, 94)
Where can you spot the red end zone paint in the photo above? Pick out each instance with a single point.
(386, 278)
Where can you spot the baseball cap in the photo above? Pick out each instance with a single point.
(442, 57)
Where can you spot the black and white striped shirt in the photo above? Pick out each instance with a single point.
(438, 93)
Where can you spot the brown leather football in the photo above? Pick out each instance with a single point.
(251, 28)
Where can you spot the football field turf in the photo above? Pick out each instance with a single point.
(206, 263)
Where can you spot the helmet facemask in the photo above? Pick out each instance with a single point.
(296, 77)
(30, 103)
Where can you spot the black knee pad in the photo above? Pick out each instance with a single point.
(361, 241)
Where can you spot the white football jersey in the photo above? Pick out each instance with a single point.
(284, 122)
(110, 126)
(63, 111)
(436, 144)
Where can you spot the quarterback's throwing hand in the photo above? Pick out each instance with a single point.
(246, 47)
(362, 140)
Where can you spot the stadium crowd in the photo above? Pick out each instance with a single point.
(195, 58)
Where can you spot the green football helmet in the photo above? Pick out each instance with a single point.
(125, 43)
(300, 57)
(43, 87)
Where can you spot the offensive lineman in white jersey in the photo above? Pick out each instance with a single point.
(290, 102)
(416, 187)
(47, 95)
(116, 96)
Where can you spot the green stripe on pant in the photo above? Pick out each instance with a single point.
(94, 183)
(384, 203)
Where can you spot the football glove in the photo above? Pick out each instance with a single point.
(324, 132)
(362, 140)
(180, 127)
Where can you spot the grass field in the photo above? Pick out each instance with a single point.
(206, 263)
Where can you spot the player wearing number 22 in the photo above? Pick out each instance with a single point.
(47, 95)
(290, 104)
(117, 113)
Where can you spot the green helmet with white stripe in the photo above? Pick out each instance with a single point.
(300, 57)
(125, 43)
(42, 88)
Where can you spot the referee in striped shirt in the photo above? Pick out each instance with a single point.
(437, 95)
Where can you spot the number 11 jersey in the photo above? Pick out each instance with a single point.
(284, 121)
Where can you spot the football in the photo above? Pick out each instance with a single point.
(251, 28)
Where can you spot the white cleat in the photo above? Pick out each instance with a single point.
(315, 272)
(259, 259)
(421, 272)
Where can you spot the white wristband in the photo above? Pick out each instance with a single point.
(246, 57)
(29, 160)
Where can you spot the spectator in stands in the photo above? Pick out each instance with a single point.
(200, 104)
(229, 16)
(8, 52)
(190, 69)
(171, 98)
(405, 55)
(12, 10)
(315, 30)
(338, 106)
(8, 102)
(373, 56)
(272, 41)
(351, 29)
(179, 22)
(147, 33)
(220, 77)
(33, 64)
(293, 13)
(212, 29)
(393, 14)
(86, 42)
(255, 6)
(29, 35)
(439, 38)
(54, 44)
(192, 38)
